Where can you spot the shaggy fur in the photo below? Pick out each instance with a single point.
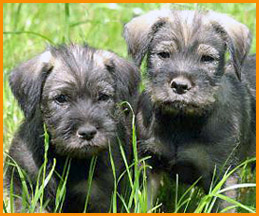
(197, 112)
(75, 91)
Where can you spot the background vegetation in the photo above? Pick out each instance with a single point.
(28, 28)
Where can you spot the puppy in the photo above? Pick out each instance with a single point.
(75, 91)
(197, 113)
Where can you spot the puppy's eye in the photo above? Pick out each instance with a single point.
(61, 99)
(164, 55)
(103, 97)
(207, 59)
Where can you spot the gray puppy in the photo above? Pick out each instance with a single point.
(74, 90)
(196, 113)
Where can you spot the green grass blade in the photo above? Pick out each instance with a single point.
(236, 203)
(4, 207)
(30, 33)
(89, 180)
(114, 196)
(61, 191)
(124, 203)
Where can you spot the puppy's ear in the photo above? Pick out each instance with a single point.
(238, 38)
(139, 32)
(127, 77)
(27, 80)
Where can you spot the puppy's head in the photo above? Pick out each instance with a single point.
(186, 55)
(76, 90)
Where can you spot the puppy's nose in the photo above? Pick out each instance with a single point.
(181, 85)
(86, 132)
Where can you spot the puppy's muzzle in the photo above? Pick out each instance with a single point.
(180, 85)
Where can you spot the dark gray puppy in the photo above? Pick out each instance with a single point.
(196, 113)
(74, 90)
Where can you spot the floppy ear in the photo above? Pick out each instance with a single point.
(238, 38)
(126, 76)
(139, 31)
(27, 79)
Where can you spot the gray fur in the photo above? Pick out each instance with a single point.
(197, 111)
(72, 88)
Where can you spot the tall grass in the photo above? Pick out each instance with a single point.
(136, 198)
(27, 30)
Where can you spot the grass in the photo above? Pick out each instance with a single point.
(28, 28)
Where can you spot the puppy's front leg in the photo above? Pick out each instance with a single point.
(232, 180)
(153, 185)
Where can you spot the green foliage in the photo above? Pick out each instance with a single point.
(28, 28)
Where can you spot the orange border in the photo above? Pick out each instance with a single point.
(109, 1)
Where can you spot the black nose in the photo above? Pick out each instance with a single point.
(181, 85)
(86, 132)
